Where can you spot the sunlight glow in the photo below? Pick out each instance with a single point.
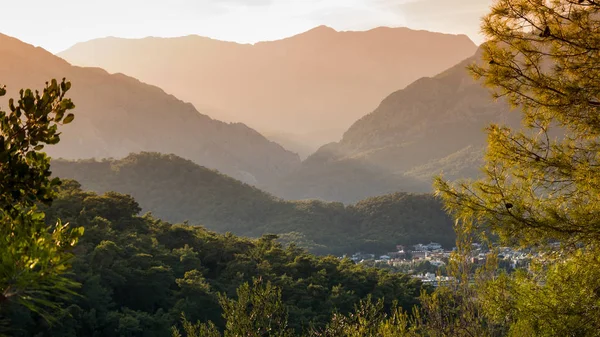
(244, 21)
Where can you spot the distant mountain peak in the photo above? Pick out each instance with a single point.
(314, 84)
(117, 114)
(322, 29)
(316, 33)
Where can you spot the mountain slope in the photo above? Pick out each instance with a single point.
(116, 115)
(318, 82)
(176, 189)
(434, 125)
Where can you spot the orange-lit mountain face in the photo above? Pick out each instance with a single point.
(116, 115)
(305, 89)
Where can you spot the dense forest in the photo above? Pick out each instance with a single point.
(138, 274)
(177, 190)
(79, 263)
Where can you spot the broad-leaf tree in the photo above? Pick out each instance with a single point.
(33, 257)
(258, 311)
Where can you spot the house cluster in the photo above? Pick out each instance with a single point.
(514, 258)
(433, 279)
(406, 258)
(361, 257)
(410, 260)
(432, 252)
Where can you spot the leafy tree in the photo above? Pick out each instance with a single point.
(138, 274)
(541, 184)
(175, 189)
(370, 319)
(196, 330)
(258, 311)
(33, 257)
(560, 299)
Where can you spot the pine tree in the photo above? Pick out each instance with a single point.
(541, 185)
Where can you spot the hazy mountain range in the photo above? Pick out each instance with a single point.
(117, 115)
(304, 91)
(175, 189)
(435, 125)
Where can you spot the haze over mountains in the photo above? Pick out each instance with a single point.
(117, 115)
(303, 91)
(432, 126)
(175, 189)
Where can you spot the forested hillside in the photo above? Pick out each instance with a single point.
(176, 190)
(138, 274)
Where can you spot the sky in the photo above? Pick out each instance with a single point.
(57, 25)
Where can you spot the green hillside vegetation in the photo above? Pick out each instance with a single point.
(460, 164)
(116, 273)
(177, 190)
(328, 175)
(138, 274)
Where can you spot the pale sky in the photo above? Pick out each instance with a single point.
(57, 25)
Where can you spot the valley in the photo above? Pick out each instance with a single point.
(300, 168)
(313, 85)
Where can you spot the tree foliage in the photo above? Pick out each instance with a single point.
(443, 314)
(175, 189)
(138, 274)
(542, 181)
(34, 257)
(560, 299)
(257, 311)
(541, 184)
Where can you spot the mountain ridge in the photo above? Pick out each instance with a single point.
(116, 114)
(434, 125)
(176, 189)
(311, 82)
(320, 28)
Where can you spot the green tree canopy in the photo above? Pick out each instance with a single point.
(542, 182)
(33, 257)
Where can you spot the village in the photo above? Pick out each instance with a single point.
(427, 262)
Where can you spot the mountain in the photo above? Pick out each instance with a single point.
(331, 176)
(315, 84)
(176, 190)
(434, 125)
(117, 114)
(304, 144)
